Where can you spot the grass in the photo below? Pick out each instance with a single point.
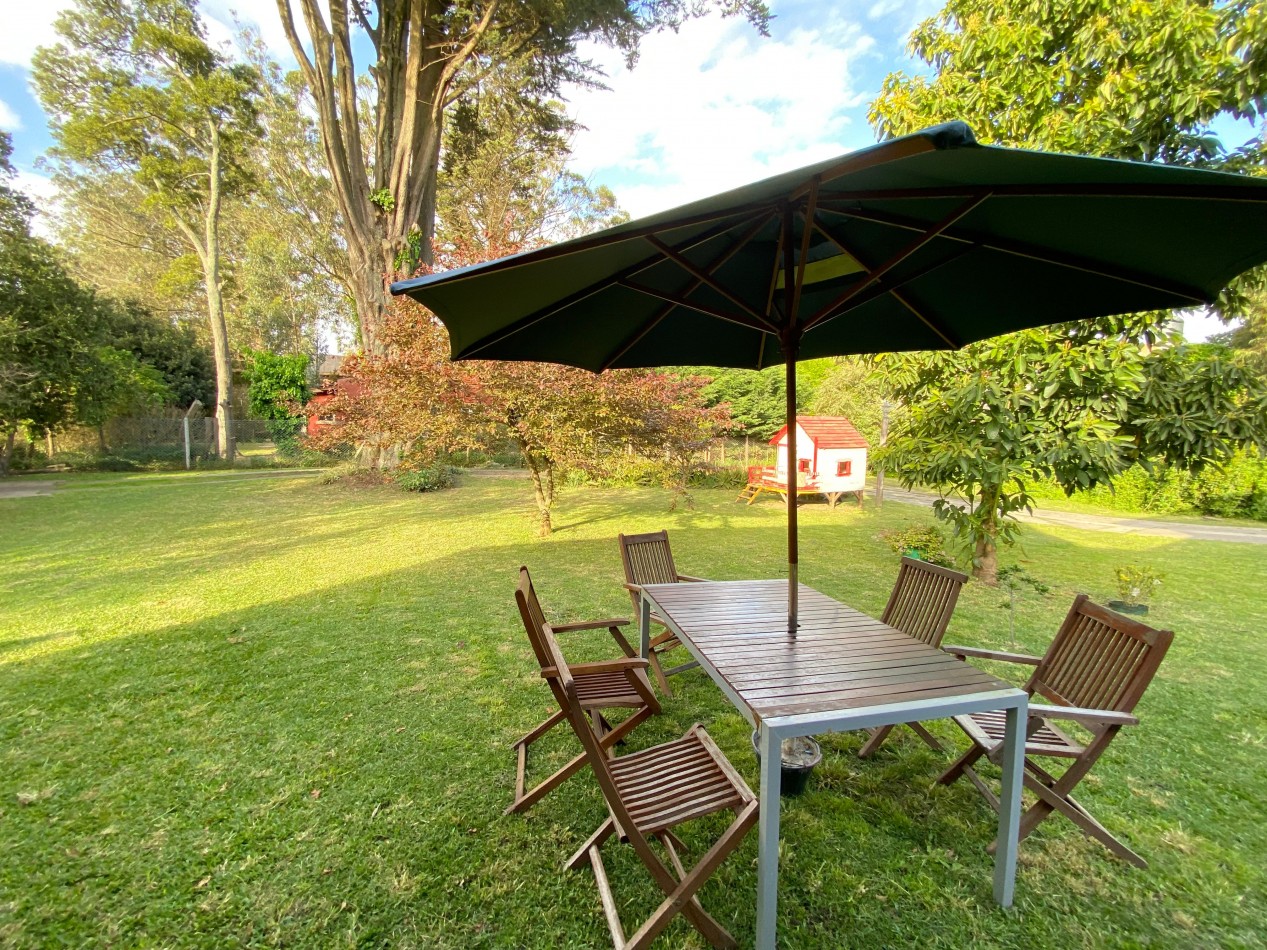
(262, 711)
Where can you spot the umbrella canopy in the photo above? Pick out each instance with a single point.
(929, 241)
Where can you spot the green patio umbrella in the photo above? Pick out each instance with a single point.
(929, 241)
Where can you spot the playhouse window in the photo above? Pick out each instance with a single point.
(802, 465)
(844, 468)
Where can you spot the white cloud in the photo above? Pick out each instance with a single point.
(9, 120)
(220, 16)
(715, 105)
(28, 25)
(44, 196)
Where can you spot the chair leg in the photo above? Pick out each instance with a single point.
(680, 893)
(525, 800)
(581, 854)
(963, 762)
(1052, 800)
(658, 670)
(714, 932)
(878, 735)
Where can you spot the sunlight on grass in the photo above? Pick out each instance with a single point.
(265, 711)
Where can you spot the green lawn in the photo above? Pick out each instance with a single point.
(264, 711)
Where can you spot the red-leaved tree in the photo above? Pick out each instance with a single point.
(413, 399)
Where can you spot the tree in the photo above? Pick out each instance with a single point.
(57, 361)
(504, 174)
(278, 391)
(1107, 77)
(854, 389)
(135, 89)
(756, 399)
(561, 418)
(382, 143)
(1078, 404)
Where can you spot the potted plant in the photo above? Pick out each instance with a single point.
(1135, 585)
(799, 756)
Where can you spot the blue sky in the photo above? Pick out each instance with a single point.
(707, 108)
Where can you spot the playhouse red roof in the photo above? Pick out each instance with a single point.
(827, 432)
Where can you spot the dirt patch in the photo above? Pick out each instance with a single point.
(25, 488)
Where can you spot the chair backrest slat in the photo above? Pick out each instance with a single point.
(535, 623)
(1099, 659)
(647, 558)
(923, 600)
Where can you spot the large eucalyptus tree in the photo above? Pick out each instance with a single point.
(382, 139)
(133, 87)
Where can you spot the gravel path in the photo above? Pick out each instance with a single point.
(1113, 524)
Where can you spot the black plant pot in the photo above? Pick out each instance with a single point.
(1123, 607)
(794, 777)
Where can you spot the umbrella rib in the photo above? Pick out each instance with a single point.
(674, 299)
(874, 274)
(893, 291)
(550, 310)
(811, 206)
(1247, 194)
(703, 277)
(879, 289)
(579, 245)
(1020, 249)
(664, 311)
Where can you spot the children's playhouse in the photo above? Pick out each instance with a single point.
(831, 460)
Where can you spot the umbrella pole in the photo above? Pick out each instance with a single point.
(792, 472)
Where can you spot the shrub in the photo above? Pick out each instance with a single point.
(922, 541)
(427, 478)
(1136, 584)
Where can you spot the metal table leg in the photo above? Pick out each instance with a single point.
(644, 624)
(768, 839)
(1010, 804)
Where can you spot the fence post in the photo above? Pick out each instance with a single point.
(884, 438)
(193, 407)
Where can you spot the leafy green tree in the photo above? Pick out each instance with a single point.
(58, 363)
(170, 347)
(382, 142)
(278, 391)
(135, 89)
(504, 175)
(854, 389)
(1078, 404)
(757, 398)
(1107, 77)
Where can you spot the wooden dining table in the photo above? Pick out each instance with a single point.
(843, 670)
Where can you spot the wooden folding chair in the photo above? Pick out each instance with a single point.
(610, 684)
(920, 606)
(1095, 671)
(649, 560)
(648, 794)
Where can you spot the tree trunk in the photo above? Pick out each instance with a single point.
(101, 439)
(7, 452)
(226, 442)
(48, 443)
(542, 487)
(985, 553)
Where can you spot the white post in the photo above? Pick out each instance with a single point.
(195, 406)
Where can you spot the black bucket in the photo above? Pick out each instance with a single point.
(794, 778)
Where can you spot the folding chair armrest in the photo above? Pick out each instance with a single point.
(590, 625)
(598, 666)
(1084, 717)
(634, 588)
(978, 653)
(689, 579)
